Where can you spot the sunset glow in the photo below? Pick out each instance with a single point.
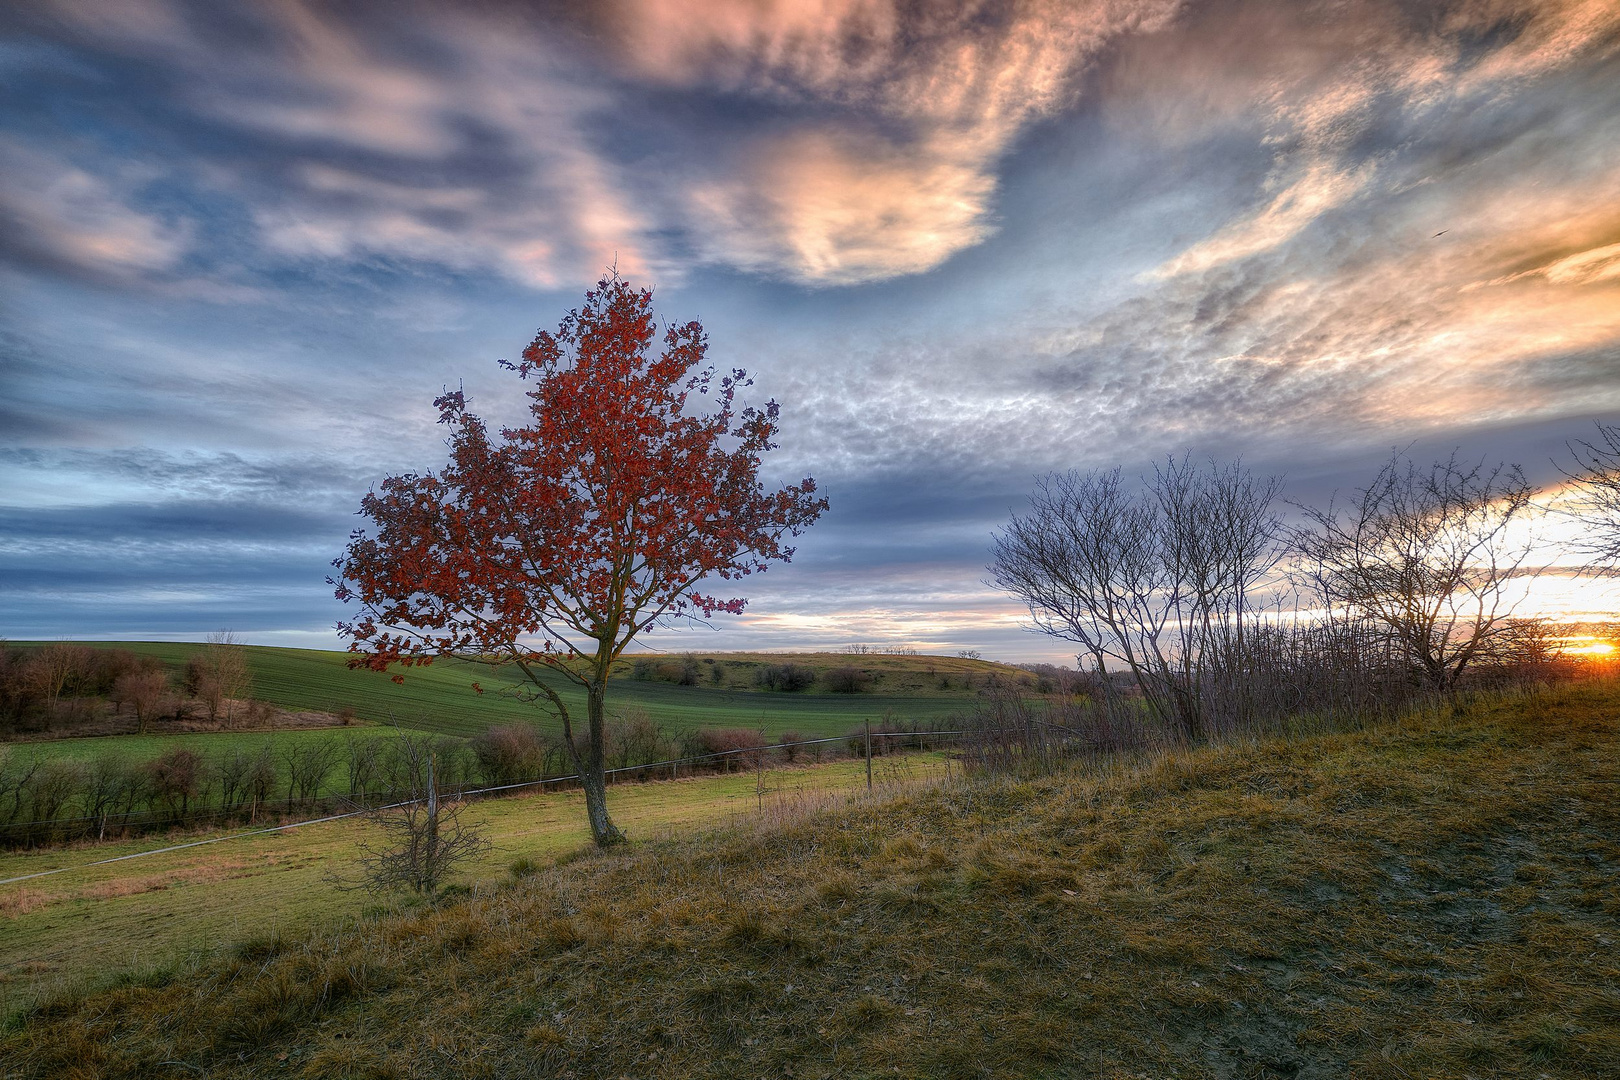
(1588, 647)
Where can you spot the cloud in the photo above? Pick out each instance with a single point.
(475, 140)
(1583, 268)
(1599, 264)
(1323, 187)
(907, 111)
(383, 134)
(79, 477)
(825, 209)
(1324, 94)
(55, 210)
(1540, 35)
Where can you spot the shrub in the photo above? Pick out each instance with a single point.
(786, 677)
(689, 670)
(174, 778)
(728, 741)
(508, 753)
(847, 679)
(634, 738)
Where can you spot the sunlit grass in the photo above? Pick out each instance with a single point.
(155, 910)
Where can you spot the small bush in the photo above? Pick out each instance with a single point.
(787, 678)
(728, 741)
(508, 753)
(174, 777)
(688, 671)
(847, 679)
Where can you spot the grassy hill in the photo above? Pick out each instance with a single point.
(1434, 898)
(151, 911)
(439, 698)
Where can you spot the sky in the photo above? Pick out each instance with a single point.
(244, 246)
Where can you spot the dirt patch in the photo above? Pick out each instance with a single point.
(19, 902)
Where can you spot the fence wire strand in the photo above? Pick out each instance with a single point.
(465, 794)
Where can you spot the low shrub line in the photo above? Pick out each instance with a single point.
(49, 800)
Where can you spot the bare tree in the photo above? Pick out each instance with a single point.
(423, 840)
(234, 767)
(175, 778)
(259, 781)
(362, 761)
(220, 675)
(52, 668)
(309, 762)
(112, 785)
(146, 690)
(1157, 578)
(1596, 505)
(1427, 555)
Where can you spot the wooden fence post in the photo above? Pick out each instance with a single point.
(866, 727)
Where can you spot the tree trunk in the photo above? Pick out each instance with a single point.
(591, 775)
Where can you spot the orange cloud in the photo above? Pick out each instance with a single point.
(949, 86)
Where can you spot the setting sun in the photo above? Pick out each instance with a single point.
(1590, 648)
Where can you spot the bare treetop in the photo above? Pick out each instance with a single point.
(1426, 553)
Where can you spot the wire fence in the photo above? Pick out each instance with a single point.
(38, 965)
(496, 789)
(104, 816)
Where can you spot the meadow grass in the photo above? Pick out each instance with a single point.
(208, 743)
(1438, 897)
(151, 912)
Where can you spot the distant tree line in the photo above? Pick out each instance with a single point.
(64, 685)
(788, 677)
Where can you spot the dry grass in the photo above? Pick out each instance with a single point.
(99, 922)
(1438, 898)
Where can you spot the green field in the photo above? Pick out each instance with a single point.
(440, 698)
(208, 743)
(153, 910)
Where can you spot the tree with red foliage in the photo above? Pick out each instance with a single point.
(548, 549)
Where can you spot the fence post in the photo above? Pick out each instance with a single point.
(759, 780)
(866, 728)
(432, 852)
